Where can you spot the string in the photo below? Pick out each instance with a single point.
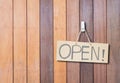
(88, 38)
(79, 35)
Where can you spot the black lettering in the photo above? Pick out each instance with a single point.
(75, 51)
(93, 51)
(84, 52)
(103, 52)
(62, 46)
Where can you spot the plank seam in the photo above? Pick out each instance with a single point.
(13, 40)
(26, 43)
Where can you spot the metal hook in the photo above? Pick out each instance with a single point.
(82, 26)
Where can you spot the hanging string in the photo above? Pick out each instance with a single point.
(79, 35)
(88, 38)
(83, 30)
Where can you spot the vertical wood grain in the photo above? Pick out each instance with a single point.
(100, 36)
(59, 34)
(6, 66)
(20, 41)
(33, 41)
(73, 69)
(113, 38)
(86, 14)
(46, 39)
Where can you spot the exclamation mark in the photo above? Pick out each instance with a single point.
(103, 52)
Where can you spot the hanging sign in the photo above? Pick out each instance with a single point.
(82, 52)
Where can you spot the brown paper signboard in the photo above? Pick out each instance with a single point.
(82, 52)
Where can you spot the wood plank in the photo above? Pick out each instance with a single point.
(33, 41)
(46, 40)
(73, 69)
(6, 66)
(113, 37)
(20, 41)
(100, 35)
(86, 14)
(59, 34)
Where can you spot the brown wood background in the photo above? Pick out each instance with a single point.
(29, 30)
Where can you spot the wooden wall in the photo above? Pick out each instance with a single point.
(29, 30)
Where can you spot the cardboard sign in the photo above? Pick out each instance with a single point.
(82, 52)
